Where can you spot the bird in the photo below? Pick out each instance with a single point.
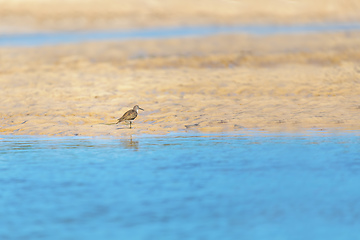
(130, 115)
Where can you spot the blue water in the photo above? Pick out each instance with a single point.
(38, 39)
(239, 186)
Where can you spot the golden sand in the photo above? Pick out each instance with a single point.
(53, 15)
(211, 84)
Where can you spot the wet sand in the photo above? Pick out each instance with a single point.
(55, 15)
(222, 83)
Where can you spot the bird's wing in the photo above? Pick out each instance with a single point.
(129, 115)
(124, 116)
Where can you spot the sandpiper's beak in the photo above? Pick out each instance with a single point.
(141, 108)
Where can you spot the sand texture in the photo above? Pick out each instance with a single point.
(212, 84)
(54, 15)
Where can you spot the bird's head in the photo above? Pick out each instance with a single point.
(136, 108)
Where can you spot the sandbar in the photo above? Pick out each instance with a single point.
(222, 83)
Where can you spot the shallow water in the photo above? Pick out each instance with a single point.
(239, 186)
(38, 39)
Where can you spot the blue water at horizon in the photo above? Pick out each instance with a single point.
(38, 39)
(228, 186)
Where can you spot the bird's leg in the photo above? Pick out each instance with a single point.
(130, 124)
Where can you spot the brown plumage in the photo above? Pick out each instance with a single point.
(130, 115)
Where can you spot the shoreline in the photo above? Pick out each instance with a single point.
(196, 31)
(303, 132)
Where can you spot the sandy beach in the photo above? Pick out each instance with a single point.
(222, 83)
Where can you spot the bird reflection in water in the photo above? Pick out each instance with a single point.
(130, 143)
